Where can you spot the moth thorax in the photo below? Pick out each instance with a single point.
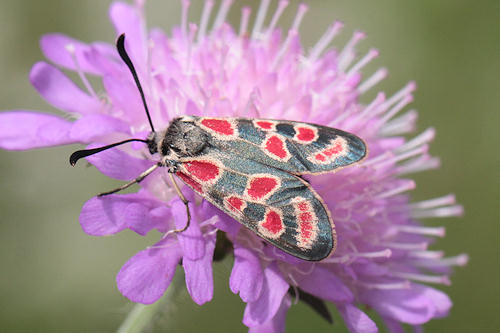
(183, 138)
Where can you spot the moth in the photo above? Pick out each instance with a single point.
(252, 170)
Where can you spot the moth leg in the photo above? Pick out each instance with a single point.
(137, 180)
(185, 201)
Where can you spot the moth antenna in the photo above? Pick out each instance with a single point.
(120, 46)
(87, 152)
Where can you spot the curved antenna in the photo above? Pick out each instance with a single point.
(120, 46)
(87, 152)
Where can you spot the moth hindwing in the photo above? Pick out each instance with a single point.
(251, 168)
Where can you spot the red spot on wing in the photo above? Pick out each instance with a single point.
(267, 125)
(276, 146)
(305, 134)
(272, 223)
(190, 181)
(235, 204)
(203, 170)
(220, 126)
(303, 206)
(306, 231)
(320, 157)
(335, 150)
(261, 186)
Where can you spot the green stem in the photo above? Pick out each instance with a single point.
(143, 316)
(139, 318)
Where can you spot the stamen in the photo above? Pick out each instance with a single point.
(402, 156)
(440, 279)
(405, 91)
(428, 231)
(245, 15)
(325, 40)
(71, 50)
(378, 160)
(347, 54)
(205, 16)
(221, 15)
(277, 14)
(422, 138)
(387, 253)
(259, 20)
(386, 286)
(451, 211)
(405, 246)
(373, 107)
(395, 109)
(401, 125)
(284, 48)
(372, 54)
(184, 18)
(418, 164)
(192, 32)
(436, 202)
(299, 16)
(336, 260)
(405, 185)
(460, 260)
(376, 77)
(426, 254)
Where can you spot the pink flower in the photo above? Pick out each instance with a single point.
(382, 259)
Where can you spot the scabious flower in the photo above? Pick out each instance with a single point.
(382, 260)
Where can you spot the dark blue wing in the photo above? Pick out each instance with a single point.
(295, 147)
(278, 206)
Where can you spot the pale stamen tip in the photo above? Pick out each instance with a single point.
(303, 7)
(374, 53)
(359, 35)
(412, 85)
(462, 259)
(337, 25)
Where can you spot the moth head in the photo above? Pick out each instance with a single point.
(184, 138)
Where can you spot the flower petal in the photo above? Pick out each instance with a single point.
(326, 285)
(57, 89)
(126, 20)
(117, 164)
(55, 47)
(91, 127)
(277, 323)
(439, 299)
(415, 305)
(266, 306)
(124, 97)
(247, 276)
(199, 277)
(145, 277)
(110, 214)
(191, 240)
(356, 320)
(26, 130)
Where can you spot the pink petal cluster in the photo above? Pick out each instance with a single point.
(382, 260)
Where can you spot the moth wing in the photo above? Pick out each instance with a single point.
(278, 206)
(295, 147)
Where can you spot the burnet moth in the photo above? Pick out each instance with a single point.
(251, 169)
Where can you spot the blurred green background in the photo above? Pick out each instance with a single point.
(54, 278)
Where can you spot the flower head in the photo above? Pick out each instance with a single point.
(382, 259)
